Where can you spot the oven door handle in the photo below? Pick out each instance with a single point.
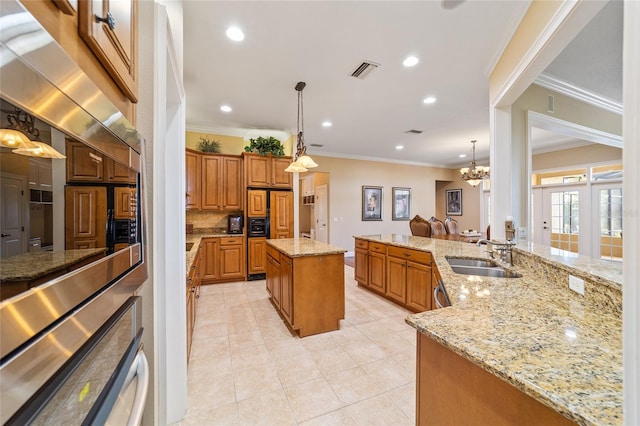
(139, 368)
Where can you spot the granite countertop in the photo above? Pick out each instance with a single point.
(563, 349)
(196, 238)
(30, 266)
(299, 247)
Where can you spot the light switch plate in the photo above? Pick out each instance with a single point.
(576, 284)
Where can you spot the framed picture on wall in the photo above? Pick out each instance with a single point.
(401, 203)
(454, 202)
(371, 203)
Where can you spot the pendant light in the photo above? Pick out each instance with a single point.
(475, 174)
(301, 161)
(15, 136)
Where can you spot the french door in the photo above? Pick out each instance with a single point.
(607, 227)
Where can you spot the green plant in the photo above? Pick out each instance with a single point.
(208, 145)
(264, 146)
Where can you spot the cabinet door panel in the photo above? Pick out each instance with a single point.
(257, 255)
(114, 45)
(83, 163)
(362, 267)
(192, 184)
(419, 293)
(273, 280)
(257, 200)
(85, 211)
(257, 171)
(286, 286)
(122, 200)
(231, 262)
(377, 271)
(396, 279)
(211, 183)
(280, 178)
(209, 264)
(116, 172)
(281, 217)
(231, 183)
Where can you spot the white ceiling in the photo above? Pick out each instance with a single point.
(321, 43)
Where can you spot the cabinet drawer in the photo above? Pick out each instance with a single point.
(408, 254)
(273, 253)
(362, 244)
(378, 247)
(230, 241)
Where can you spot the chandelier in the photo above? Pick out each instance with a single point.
(23, 136)
(474, 174)
(301, 161)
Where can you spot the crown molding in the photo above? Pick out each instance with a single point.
(552, 83)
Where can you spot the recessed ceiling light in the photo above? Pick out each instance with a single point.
(410, 61)
(225, 108)
(327, 124)
(399, 147)
(462, 155)
(235, 34)
(429, 100)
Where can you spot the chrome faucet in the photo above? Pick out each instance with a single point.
(484, 240)
(504, 248)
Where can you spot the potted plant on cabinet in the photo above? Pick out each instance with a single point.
(264, 146)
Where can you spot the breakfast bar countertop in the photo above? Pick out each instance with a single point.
(299, 247)
(561, 348)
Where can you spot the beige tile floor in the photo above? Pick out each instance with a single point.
(247, 369)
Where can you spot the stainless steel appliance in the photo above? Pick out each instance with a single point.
(258, 227)
(53, 331)
(235, 224)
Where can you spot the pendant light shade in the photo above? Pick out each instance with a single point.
(23, 135)
(301, 161)
(41, 150)
(10, 138)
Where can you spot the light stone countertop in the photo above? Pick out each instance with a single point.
(299, 247)
(30, 266)
(563, 349)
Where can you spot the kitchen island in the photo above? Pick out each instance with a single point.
(305, 282)
(512, 350)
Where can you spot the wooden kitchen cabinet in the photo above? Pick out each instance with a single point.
(267, 171)
(223, 259)
(257, 252)
(221, 180)
(361, 273)
(210, 255)
(403, 275)
(257, 203)
(124, 202)
(115, 172)
(85, 218)
(193, 163)
(281, 214)
(193, 294)
(110, 30)
(307, 291)
(232, 257)
(446, 381)
(84, 164)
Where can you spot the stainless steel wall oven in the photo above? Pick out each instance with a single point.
(67, 308)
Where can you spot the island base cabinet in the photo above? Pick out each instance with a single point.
(307, 291)
(447, 382)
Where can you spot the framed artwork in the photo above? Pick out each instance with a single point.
(401, 203)
(454, 202)
(371, 203)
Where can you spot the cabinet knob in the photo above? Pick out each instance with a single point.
(109, 20)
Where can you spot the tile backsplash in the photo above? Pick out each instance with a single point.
(208, 220)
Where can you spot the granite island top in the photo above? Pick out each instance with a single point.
(563, 349)
(298, 247)
(30, 266)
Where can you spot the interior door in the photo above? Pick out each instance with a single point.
(321, 213)
(13, 215)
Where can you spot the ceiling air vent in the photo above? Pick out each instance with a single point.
(417, 132)
(364, 69)
(316, 145)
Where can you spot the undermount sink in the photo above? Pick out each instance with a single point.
(480, 267)
(477, 263)
(189, 245)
